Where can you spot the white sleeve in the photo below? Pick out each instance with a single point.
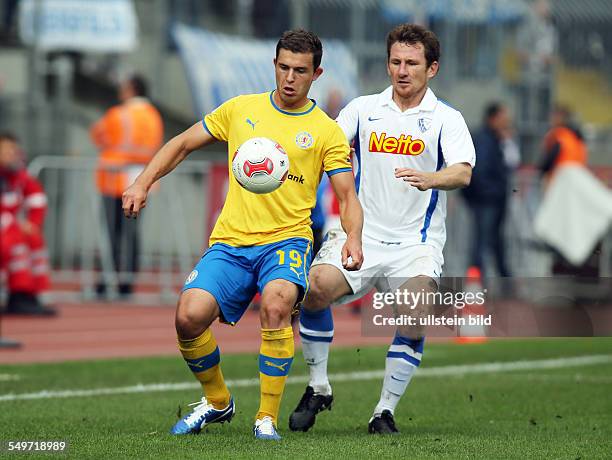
(348, 119)
(456, 142)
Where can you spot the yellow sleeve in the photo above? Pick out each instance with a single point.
(336, 157)
(218, 121)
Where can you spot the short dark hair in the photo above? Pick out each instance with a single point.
(139, 85)
(493, 109)
(563, 111)
(8, 136)
(412, 34)
(301, 41)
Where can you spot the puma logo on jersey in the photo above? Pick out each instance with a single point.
(404, 145)
(277, 366)
(252, 123)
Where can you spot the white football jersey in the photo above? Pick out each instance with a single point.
(426, 138)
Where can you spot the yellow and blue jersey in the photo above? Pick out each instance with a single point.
(314, 144)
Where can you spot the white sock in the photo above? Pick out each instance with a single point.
(398, 373)
(316, 355)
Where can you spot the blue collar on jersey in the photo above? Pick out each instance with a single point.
(314, 104)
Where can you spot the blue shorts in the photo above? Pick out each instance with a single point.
(233, 275)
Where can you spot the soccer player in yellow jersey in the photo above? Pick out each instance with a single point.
(260, 242)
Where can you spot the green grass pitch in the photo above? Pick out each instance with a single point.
(563, 412)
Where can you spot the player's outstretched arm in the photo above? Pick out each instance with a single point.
(351, 217)
(164, 161)
(455, 176)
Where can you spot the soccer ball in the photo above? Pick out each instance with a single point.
(260, 165)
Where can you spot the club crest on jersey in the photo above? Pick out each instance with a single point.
(424, 124)
(403, 145)
(192, 276)
(304, 140)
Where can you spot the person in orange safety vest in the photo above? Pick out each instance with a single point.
(128, 135)
(563, 144)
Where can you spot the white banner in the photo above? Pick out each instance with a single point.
(76, 25)
(221, 66)
(465, 11)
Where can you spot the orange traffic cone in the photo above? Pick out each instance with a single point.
(474, 329)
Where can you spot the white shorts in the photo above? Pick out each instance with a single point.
(386, 266)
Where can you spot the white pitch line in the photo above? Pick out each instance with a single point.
(576, 378)
(441, 371)
(8, 377)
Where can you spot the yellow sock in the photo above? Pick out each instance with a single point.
(202, 357)
(275, 357)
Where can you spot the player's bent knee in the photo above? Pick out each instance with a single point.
(188, 324)
(195, 312)
(275, 315)
(317, 298)
(327, 285)
(184, 326)
(277, 300)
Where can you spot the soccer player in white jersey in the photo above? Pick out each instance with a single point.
(410, 147)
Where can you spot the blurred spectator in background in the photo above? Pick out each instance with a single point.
(576, 209)
(270, 18)
(8, 34)
(487, 194)
(537, 45)
(335, 103)
(23, 254)
(563, 143)
(128, 136)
